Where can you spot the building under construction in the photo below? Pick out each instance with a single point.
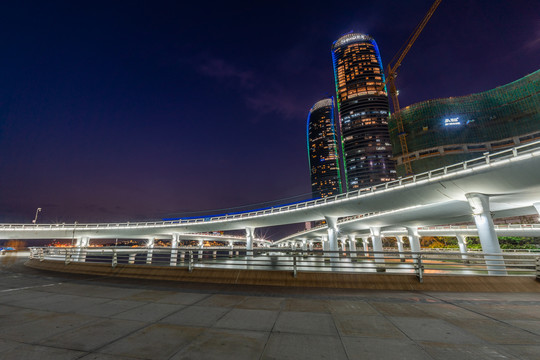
(445, 131)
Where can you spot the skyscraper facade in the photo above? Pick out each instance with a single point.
(323, 150)
(363, 109)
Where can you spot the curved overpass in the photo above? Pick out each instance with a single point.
(509, 178)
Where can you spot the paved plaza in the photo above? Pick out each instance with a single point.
(45, 315)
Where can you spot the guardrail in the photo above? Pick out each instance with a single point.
(480, 162)
(191, 258)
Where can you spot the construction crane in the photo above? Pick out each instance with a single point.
(391, 74)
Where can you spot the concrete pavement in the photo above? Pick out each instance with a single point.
(45, 315)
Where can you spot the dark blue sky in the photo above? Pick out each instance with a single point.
(113, 111)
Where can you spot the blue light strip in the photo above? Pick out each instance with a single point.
(374, 43)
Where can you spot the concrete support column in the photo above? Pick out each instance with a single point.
(174, 249)
(344, 246)
(486, 231)
(332, 237)
(311, 246)
(414, 240)
(82, 244)
(324, 244)
(365, 244)
(462, 242)
(231, 248)
(150, 251)
(352, 244)
(377, 246)
(250, 231)
(182, 256)
(200, 252)
(399, 239)
(304, 245)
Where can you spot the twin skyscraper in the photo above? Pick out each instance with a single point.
(357, 153)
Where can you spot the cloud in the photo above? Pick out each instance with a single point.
(262, 93)
(220, 69)
(278, 100)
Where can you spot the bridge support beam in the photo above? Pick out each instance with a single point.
(150, 251)
(200, 252)
(365, 244)
(231, 248)
(174, 249)
(82, 243)
(399, 240)
(332, 237)
(462, 243)
(352, 244)
(414, 240)
(479, 204)
(377, 247)
(324, 244)
(250, 231)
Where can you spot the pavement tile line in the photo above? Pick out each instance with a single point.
(434, 306)
(29, 287)
(403, 332)
(345, 350)
(272, 329)
(490, 317)
(186, 346)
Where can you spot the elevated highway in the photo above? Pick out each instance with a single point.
(501, 184)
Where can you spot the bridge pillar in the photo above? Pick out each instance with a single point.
(377, 246)
(82, 243)
(332, 237)
(250, 231)
(462, 242)
(174, 249)
(352, 244)
(324, 244)
(479, 204)
(311, 246)
(365, 244)
(150, 251)
(304, 245)
(414, 240)
(231, 248)
(200, 252)
(399, 239)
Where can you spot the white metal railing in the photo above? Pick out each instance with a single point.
(486, 160)
(191, 258)
(437, 228)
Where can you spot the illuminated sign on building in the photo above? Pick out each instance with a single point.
(452, 122)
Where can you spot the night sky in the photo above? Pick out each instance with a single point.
(136, 110)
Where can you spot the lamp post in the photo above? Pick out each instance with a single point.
(38, 210)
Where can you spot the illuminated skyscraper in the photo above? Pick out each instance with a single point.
(322, 149)
(363, 111)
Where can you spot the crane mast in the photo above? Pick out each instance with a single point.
(391, 75)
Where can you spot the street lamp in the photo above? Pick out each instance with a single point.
(38, 210)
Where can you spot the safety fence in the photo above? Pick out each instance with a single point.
(390, 262)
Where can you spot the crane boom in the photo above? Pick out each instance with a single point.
(390, 79)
